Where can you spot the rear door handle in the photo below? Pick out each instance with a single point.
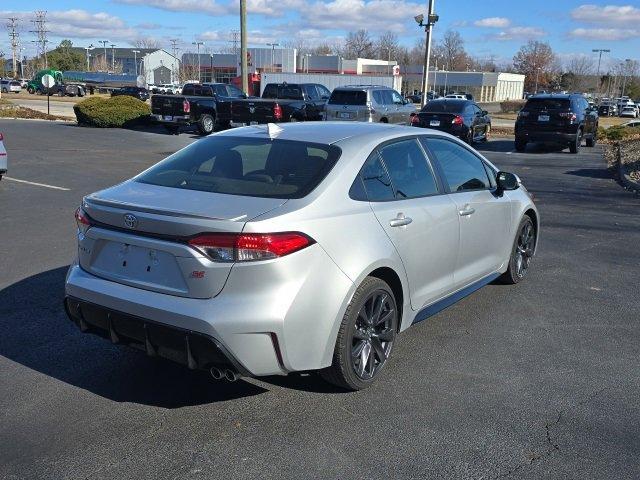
(467, 210)
(400, 221)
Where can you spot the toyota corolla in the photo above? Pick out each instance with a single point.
(302, 247)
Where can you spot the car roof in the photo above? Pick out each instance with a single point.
(362, 87)
(450, 100)
(560, 96)
(328, 132)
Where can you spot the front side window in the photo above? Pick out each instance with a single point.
(234, 92)
(396, 98)
(462, 169)
(324, 93)
(410, 173)
(270, 91)
(311, 92)
(245, 166)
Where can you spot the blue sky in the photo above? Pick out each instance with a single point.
(490, 28)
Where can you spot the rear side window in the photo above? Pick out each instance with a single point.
(270, 91)
(547, 104)
(462, 169)
(348, 97)
(245, 166)
(188, 90)
(290, 92)
(376, 180)
(408, 168)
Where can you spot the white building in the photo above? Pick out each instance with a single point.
(160, 67)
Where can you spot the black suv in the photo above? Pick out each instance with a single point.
(564, 119)
(137, 92)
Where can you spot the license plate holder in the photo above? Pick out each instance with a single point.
(168, 118)
(344, 115)
(434, 123)
(543, 118)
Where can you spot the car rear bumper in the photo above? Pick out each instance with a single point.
(271, 318)
(551, 137)
(173, 120)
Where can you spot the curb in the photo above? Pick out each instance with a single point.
(626, 180)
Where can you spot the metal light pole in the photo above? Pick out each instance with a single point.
(432, 18)
(627, 61)
(104, 45)
(599, 51)
(197, 44)
(273, 49)
(135, 60)
(243, 46)
(90, 47)
(113, 58)
(537, 71)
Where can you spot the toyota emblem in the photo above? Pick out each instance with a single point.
(130, 221)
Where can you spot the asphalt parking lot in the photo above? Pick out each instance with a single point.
(538, 380)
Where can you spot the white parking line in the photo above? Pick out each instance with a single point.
(509, 153)
(37, 184)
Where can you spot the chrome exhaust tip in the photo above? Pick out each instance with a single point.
(230, 375)
(216, 373)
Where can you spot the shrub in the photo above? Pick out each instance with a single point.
(510, 106)
(121, 111)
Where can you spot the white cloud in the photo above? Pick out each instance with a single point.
(605, 33)
(493, 22)
(607, 15)
(519, 33)
(193, 6)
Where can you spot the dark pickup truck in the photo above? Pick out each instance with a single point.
(282, 102)
(206, 106)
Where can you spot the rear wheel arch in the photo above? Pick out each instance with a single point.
(391, 278)
(531, 213)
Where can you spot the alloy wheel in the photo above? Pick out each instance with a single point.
(524, 249)
(373, 334)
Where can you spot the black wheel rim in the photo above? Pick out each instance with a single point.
(373, 334)
(524, 249)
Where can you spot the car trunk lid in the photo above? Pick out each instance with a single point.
(140, 232)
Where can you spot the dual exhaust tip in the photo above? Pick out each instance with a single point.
(224, 374)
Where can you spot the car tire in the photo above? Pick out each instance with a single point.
(574, 147)
(487, 134)
(370, 324)
(206, 124)
(520, 145)
(522, 251)
(30, 90)
(591, 141)
(4, 90)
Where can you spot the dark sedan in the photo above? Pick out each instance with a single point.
(461, 118)
(137, 92)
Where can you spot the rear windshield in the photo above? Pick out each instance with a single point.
(290, 92)
(547, 104)
(444, 106)
(348, 97)
(252, 167)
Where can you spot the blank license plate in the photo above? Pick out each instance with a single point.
(344, 115)
(168, 117)
(434, 123)
(543, 118)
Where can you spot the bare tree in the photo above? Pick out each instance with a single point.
(535, 60)
(358, 45)
(451, 51)
(578, 70)
(387, 46)
(147, 42)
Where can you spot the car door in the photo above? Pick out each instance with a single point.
(484, 216)
(312, 99)
(399, 115)
(479, 122)
(419, 219)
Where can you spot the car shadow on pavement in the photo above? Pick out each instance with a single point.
(36, 333)
(592, 173)
(507, 145)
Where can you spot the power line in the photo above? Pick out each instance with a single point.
(235, 38)
(174, 46)
(14, 37)
(40, 25)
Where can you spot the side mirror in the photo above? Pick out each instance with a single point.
(507, 181)
(484, 112)
(324, 97)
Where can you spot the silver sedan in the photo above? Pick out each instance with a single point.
(273, 249)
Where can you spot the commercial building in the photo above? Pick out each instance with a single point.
(308, 63)
(484, 86)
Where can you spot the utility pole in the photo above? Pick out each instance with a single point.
(197, 44)
(14, 37)
(243, 46)
(625, 65)
(174, 47)
(113, 58)
(235, 38)
(432, 18)
(273, 49)
(104, 45)
(135, 60)
(40, 25)
(599, 51)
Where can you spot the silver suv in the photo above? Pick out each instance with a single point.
(305, 246)
(369, 103)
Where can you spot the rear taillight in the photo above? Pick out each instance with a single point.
(457, 120)
(522, 114)
(1, 137)
(246, 247)
(83, 221)
(415, 120)
(186, 106)
(277, 112)
(568, 115)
